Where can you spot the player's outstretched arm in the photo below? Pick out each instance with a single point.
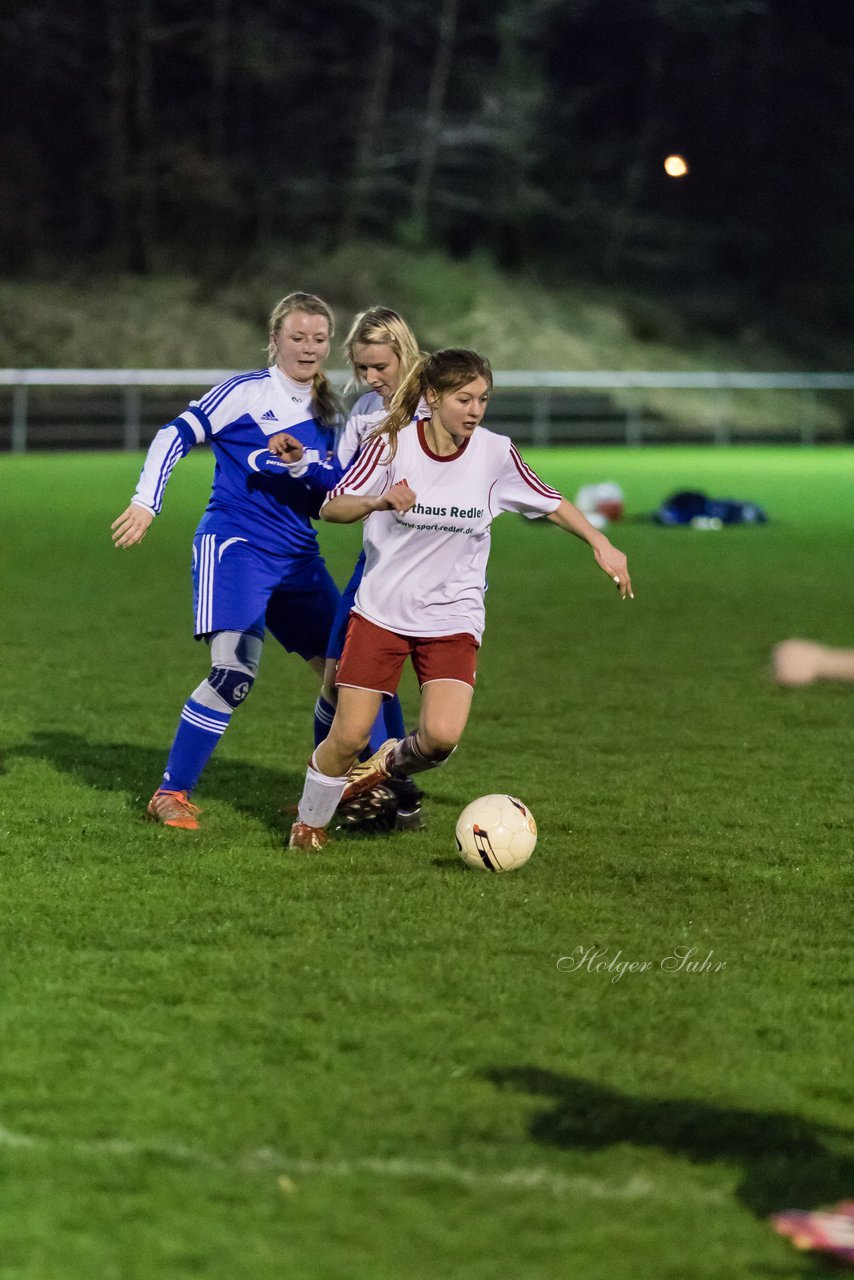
(131, 526)
(347, 508)
(609, 559)
(172, 442)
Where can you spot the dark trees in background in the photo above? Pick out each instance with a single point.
(371, 108)
(143, 135)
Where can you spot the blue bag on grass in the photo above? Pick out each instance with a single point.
(688, 505)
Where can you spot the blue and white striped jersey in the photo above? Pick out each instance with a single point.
(255, 495)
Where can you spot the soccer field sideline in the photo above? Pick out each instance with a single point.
(266, 1160)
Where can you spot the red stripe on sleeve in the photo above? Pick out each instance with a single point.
(532, 480)
(361, 472)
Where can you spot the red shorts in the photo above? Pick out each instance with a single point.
(373, 658)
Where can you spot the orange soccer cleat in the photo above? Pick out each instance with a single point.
(305, 837)
(173, 809)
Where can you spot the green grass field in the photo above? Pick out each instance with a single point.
(222, 1059)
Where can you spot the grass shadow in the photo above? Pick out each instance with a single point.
(786, 1161)
(135, 770)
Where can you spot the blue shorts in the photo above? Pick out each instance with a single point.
(338, 633)
(236, 587)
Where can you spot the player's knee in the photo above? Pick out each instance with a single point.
(231, 684)
(350, 739)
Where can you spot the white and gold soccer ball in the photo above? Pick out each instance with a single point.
(496, 833)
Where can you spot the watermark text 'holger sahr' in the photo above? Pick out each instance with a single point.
(596, 959)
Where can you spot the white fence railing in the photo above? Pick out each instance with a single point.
(542, 385)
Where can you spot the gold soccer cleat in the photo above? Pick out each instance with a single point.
(367, 774)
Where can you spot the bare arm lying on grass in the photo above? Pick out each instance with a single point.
(802, 662)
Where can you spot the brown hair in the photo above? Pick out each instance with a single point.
(441, 372)
(326, 404)
(383, 327)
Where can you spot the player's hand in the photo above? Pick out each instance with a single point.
(614, 563)
(131, 526)
(399, 498)
(286, 447)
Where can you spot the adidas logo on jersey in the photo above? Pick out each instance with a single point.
(269, 416)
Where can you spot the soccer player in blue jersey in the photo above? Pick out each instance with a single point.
(256, 561)
(381, 349)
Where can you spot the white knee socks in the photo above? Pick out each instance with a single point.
(320, 797)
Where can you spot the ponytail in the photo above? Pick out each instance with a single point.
(441, 372)
(404, 403)
(328, 408)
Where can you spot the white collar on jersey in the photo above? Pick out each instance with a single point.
(303, 390)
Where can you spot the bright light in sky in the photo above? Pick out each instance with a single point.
(675, 167)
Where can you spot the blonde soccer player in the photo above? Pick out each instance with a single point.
(428, 490)
(257, 565)
(381, 350)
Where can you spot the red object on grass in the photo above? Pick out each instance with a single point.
(828, 1230)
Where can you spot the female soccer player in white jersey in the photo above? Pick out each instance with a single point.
(430, 491)
(381, 349)
(256, 562)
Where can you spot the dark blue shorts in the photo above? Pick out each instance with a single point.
(337, 635)
(237, 587)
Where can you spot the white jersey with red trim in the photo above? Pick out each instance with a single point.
(425, 571)
(365, 416)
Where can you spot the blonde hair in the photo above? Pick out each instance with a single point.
(326, 404)
(441, 372)
(380, 326)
